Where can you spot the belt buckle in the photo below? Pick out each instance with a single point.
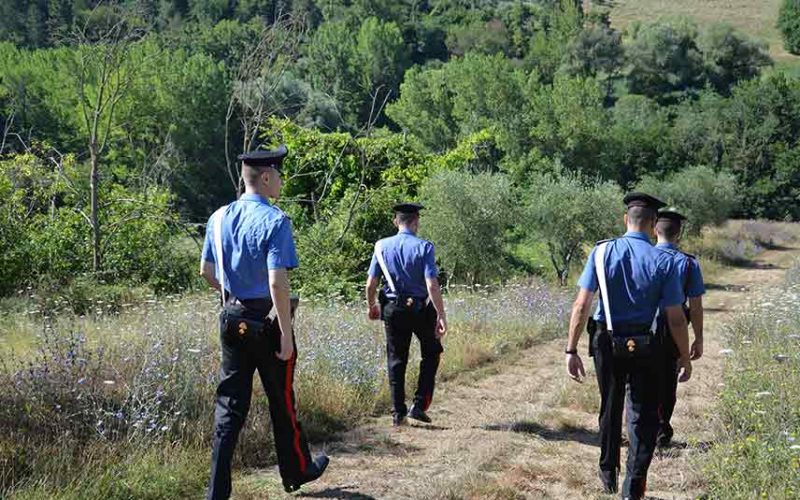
(242, 328)
(409, 301)
(631, 345)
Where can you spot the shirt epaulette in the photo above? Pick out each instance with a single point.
(604, 241)
(670, 251)
(688, 255)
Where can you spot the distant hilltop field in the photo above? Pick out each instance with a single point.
(755, 17)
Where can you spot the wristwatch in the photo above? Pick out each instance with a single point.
(570, 351)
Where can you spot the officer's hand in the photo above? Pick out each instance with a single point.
(697, 349)
(685, 369)
(441, 326)
(575, 368)
(374, 312)
(287, 350)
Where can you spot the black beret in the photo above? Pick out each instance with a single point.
(671, 214)
(642, 200)
(407, 208)
(265, 157)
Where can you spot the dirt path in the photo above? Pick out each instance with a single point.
(527, 431)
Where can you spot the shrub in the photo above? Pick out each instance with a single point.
(466, 218)
(567, 211)
(704, 196)
(789, 24)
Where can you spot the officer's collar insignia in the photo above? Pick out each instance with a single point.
(242, 328)
(631, 345)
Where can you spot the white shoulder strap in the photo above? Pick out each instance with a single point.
(218, 216)
(384, 269)
(600, 268)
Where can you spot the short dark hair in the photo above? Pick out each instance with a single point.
(640, 215)
(251, 174)
(406, 218)
(668, 228)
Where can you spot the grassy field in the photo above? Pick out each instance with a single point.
(757, 454)
(755, 17)
(119, 405)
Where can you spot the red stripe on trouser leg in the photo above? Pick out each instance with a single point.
(292, 415)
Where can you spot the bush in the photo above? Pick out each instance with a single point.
(567, 211)
(704, 196)
(466, 218)
(789, 24)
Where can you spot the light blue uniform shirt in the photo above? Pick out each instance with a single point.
(639, 277)
(256, 238)
(409, 260)
(689, 273)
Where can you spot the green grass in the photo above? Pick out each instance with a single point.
(757, 454)
(119, 404)
(754, 17)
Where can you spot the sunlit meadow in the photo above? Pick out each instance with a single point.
(119, 404)
(758, 453)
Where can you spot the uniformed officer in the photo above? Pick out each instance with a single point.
(668, 231)
(409, 304)
(634, 277)
(247, 252)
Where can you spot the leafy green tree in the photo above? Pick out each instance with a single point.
(704, 196)
(466, 218)
(731, 57)
(480, 37)
(789, 24)
(464, 96)
(664, 60)
(568, 211)
(596, 51)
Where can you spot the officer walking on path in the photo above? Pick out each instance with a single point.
(247, 252)
(410, 303)
(633, 277)
(668, 231)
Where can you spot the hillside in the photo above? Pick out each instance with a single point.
(755, 17)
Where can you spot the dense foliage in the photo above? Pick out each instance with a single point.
(373, 98)
(789, 24)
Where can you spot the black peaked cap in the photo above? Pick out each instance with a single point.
(636, 199)
(265, 157)
(407, 208)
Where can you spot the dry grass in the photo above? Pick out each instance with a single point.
(755, 17)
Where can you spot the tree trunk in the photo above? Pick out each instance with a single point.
(94, 184)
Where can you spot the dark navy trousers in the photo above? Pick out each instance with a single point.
(640, 378)
(401, 324)
(242, 355)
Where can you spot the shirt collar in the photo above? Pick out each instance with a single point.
(254, 197)
(638, 235)
(671, 246)
(406, 231)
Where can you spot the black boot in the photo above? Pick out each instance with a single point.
(398, 419)
(609, 478)
(313, 472)
(417, 414)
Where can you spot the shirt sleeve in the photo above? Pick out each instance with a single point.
(374, 268)
(588, 279)
(429, 260)
(696, 285)
(208, 243)
(281, 253)
(672, 288)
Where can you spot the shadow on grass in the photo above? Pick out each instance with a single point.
(340, 492)
(564, 433)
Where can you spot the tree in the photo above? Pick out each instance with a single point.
(256, 78)
(704, 196)
(664, 60)
(789, 24)
(104, 76)
(466, 218)
(595, 51)
(567, 211)
(731, 57)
